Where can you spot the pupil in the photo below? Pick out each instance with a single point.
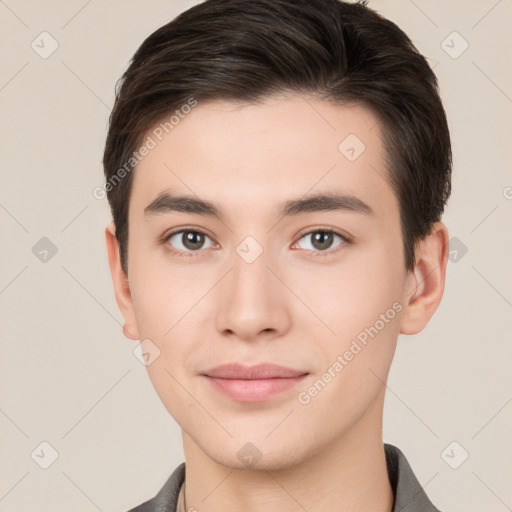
(322, 240)
(193, 240)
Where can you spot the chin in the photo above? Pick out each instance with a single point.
(254, 453)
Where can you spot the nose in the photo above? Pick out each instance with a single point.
(252, 302)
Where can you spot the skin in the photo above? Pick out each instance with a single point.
(295, 305)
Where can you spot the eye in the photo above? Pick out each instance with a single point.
(188, 240)
(322, 240)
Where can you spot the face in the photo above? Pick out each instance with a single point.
(267, 234)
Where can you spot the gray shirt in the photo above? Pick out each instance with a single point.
(409, 495)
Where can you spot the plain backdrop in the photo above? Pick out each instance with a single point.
(68, 377)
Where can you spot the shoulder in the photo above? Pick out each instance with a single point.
(167, 498)
(409, 494)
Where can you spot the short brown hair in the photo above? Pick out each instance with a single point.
(245, 50)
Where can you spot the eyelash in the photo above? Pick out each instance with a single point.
(167, 237)
(345, 241)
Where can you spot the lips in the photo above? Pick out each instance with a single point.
(260, 371)
(252, 383)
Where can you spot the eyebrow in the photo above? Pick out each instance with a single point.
(331, 201)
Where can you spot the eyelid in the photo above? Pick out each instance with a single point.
(328, 229)
(321, 227)
(346, 239)
(165, 240)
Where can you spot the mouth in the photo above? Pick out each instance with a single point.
(253, 383)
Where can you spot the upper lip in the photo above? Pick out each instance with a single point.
(259, 371)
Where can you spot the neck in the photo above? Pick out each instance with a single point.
(349, 474)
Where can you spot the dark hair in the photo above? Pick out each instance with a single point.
(246, 50)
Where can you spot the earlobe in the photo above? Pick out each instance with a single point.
(426, 282)
(121, 284)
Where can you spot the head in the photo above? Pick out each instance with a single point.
(304, 146)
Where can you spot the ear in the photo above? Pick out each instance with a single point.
(425, 284)
(121, 284)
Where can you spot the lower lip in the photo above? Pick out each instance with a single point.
(256, 390)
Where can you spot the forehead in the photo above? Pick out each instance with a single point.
(253, 156)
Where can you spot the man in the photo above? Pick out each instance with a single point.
(277, 171)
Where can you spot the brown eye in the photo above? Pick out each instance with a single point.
(322, 240)
(189, 240)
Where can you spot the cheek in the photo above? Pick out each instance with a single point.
(172, 310)
(365, 317)
(170, 385)
(361, 303)
(163, 294)
(351, 295)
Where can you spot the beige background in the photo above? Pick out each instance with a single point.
(68, 377)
